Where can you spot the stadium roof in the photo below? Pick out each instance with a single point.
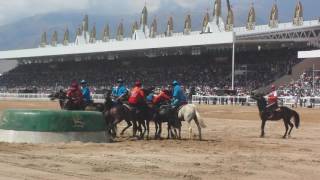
(179, 40)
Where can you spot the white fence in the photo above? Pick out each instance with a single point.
(246, 100)
(196, 99)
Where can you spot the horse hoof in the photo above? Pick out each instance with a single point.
(284, 137)
(262, 136)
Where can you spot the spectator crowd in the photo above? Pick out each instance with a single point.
(204, 74)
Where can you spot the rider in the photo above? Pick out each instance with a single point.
(75, 95)
(85, 92)
(137, 96)
(178, 96)
(163, 96)
(151, 95)
(119, 91)
(272, 101)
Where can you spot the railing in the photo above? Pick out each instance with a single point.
(247, 100)
(38, 97)
(196, 99)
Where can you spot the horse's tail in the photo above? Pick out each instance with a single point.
(201, 122)
(296, 119)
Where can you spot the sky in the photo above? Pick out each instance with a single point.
(14, 10)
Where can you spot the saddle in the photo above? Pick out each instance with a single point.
(130, 108)
(271, 110)
(181, 106)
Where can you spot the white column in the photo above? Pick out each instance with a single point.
(233, 57)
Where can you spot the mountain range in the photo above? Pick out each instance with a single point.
(26, 32)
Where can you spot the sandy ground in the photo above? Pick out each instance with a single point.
(232, 149)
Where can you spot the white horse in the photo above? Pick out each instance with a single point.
(188, 113)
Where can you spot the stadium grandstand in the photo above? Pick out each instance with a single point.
(200, 60)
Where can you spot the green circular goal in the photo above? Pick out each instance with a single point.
(46, 126)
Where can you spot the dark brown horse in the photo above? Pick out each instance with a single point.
(66, 103)
(284, 113)
(164, 114)
(61, 95)
(117, 111)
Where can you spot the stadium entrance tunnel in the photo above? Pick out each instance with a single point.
(50, 126)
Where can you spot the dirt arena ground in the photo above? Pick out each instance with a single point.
(231, 149)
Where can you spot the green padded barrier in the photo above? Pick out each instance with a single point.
(52, 121)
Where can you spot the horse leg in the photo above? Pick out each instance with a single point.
(140, 122)
(168, 129)
(263, 123)
(134, 128)
(176, 136)
(129, 124)
(156, 129)
(190, 130)
(143, 123)
(160, 129)
(199, 128)
(172, 135)
(286, 124)
(291, 127)
(148, 128)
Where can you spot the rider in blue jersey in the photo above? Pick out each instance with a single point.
(120, 90)
(85, 92)
(178, 96)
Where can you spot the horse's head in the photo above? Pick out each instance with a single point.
(261, 101)
(61, 95)
(108, 93)
(148, 91)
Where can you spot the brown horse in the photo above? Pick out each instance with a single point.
(285, 113)
(115, 112)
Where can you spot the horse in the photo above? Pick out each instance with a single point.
(164, 113)
(188, 113)
(115, 112)
(284, 113)
(138, 118)
(142, 115)
(61, 95)
(66, 103)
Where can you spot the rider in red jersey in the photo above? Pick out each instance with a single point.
(161, 97)
(75, 95)
(137, 96)
(272, 101)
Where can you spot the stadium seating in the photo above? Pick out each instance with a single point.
(207, 72)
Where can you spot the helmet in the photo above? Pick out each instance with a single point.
(120, 80)
(175, 82)
(74, 85)
(83, 81)
(138, 83)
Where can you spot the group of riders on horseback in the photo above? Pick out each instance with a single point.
(80, 96)
(138, 105)
(144, 104)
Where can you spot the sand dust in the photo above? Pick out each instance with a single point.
(232, 149)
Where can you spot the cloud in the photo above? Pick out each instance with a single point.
(190, 4)
(122, 7)
(11, 10)
(15, 9)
